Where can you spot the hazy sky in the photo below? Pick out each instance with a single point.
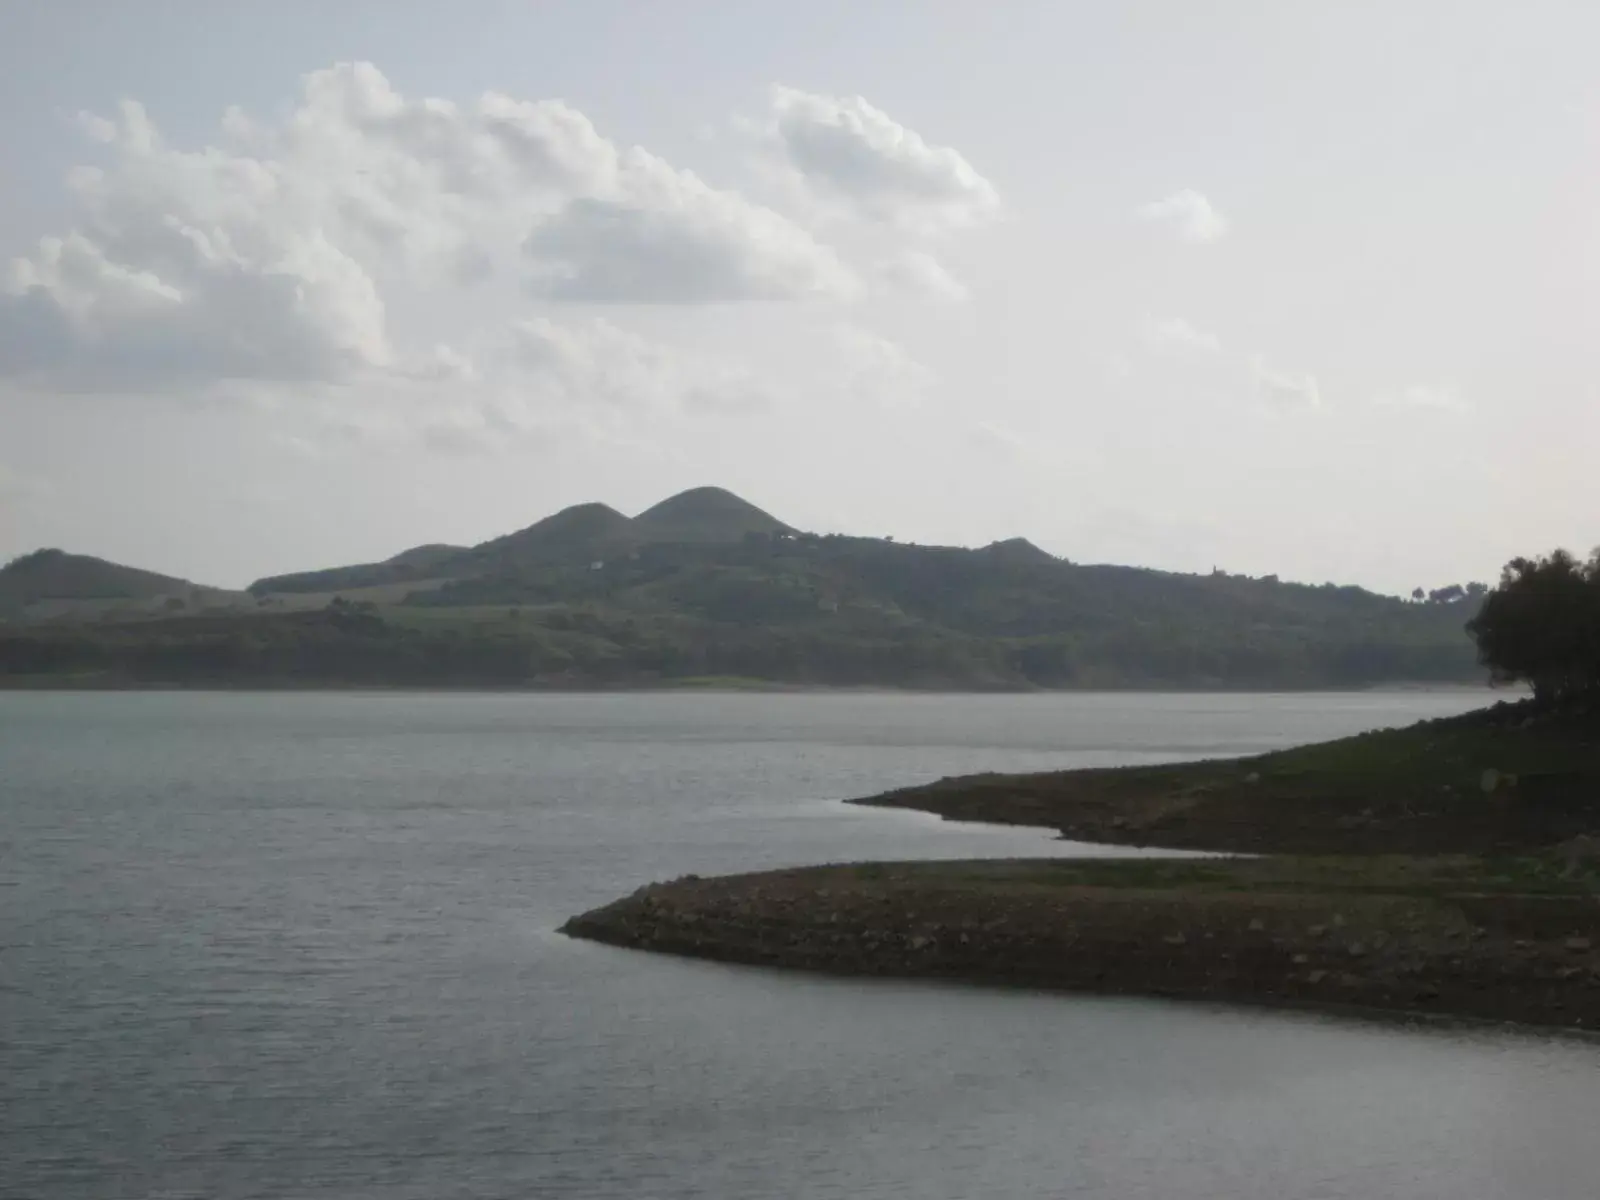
(1292, 288)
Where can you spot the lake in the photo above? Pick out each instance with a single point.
(301, 945)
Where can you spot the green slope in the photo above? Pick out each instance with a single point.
(418, 563)
(705, 584)
(706, 516)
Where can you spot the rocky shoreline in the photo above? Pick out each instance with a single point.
(1318, 933)
(1450, 869)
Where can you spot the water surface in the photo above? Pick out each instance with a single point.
(301, 946)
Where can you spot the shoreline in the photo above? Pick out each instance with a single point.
(1166, 929)
(1450, 868)
(58, 683)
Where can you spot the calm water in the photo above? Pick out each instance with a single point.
(300, 946)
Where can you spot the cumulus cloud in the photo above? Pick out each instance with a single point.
(1175, 336)
(1188, 214)
(667, 237)
(188, 266)
(848, 151)
(920, 273)
(878, 371)
(1283, 390)
(1437, 397)
(272, 254)
(75, 314)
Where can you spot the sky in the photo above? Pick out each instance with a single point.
(1302, 290)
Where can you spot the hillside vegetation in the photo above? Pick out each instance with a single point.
(1502, 780)
(707, 585)
(53, 582)
(1449, 868)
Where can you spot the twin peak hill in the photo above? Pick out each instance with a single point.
(581, 536)
(706, 586)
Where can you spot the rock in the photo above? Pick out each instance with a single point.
(1317, 930)
(1356, 949)
(1300, 960)
(1257, 925)
(1253, 778)
(1316, 976)
(1578, 854)
(921, 942)
(1176, 939)
(1489, 781)
(1579, 944)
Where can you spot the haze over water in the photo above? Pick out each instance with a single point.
(302, 945)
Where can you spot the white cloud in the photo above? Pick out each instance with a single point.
(541, 380)
(667, 237)
(188, 266)
(1439, 397)
(920, 273)
(1283, 390)
(1188, 214)
(274, 253)
(846, 150)
(879, 371)
(1175, 336)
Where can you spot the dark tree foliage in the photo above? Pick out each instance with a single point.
(1541, 626)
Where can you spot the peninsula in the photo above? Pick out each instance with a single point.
(1444, 869)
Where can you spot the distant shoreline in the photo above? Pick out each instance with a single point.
(731, 687)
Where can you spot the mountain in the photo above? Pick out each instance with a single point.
(1016, 551)
(574, 535)
(705, 584)
(417, 563)
(55, 583)
(704, 516)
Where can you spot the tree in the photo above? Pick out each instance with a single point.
(1418, 595)
(1541, 625)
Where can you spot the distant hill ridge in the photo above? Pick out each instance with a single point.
(56, 575)
(54, 583)
(575, 535)
(707, 585)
